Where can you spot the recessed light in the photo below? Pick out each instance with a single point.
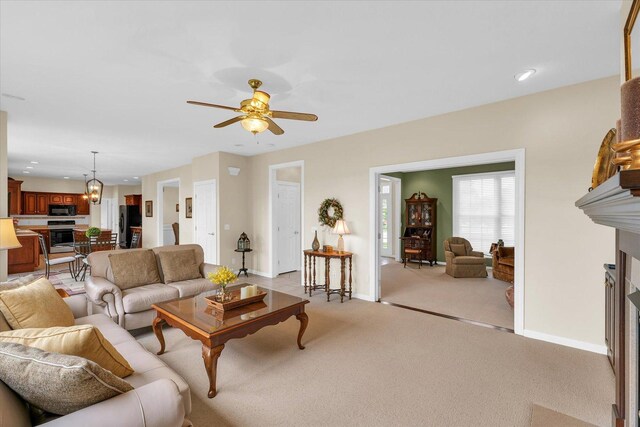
(524, 75)
(238, 145)
(135, 177)
(126, 180)
(26, 172)
(33, 162)
(28, 167)
(65, 177)
(271, 145)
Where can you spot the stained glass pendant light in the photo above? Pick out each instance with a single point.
(94, 186)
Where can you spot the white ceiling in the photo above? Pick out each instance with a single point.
(114, 76)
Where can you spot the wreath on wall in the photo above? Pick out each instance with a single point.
(323, 212)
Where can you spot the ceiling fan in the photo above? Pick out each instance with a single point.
(256, 115)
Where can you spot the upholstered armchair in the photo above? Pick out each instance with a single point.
(462, 260)
(503, 263)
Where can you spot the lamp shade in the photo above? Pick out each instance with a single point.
(254, 124)
(341, 227)
(8, 239)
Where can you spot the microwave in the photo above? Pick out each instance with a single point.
(62, 210)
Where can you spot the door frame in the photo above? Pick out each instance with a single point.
(299, 187)
(160, 207)
(193, 195)
(516, 155)
(397, 211)
(273, 244)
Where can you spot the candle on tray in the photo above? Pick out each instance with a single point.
(254, 290)
(244, 292)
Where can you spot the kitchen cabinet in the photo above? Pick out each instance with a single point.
(134, 200)
(69, 199)
(82, 206)
(15, 196)
(56, 199)
(27, 257)
(35, 203)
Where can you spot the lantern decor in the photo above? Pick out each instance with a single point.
(94, 186)
(244, 244)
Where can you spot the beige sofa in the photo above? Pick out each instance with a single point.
(161, 398)
(131, 308)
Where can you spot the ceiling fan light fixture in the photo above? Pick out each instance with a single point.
(260, 99)
(254, 124)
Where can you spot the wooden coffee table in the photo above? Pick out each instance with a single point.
(199, 321)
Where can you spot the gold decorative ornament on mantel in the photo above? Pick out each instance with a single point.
(628, 149)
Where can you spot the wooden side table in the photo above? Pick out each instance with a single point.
(243, 269)
(310, 272)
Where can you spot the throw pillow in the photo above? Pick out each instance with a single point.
(36, 305)
(134, 268)
(81, 340)
(179, 265)
(13, 284)
(56, 383)
(458, 249)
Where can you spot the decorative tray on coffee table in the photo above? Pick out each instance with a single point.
(235, 300)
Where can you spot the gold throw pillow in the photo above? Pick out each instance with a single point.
(179, 265)
(36, 305)
(82, 340)
(134, 268)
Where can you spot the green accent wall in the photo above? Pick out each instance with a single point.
(438, 183)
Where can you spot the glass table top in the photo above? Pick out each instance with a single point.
(197, 312)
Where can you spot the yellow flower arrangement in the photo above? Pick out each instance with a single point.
(223, 276)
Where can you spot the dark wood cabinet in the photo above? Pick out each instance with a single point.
(27, 257)
(34, 203)
(69, 199)
(134, 200)
(56, 199)
(420, 226)
(82, 206)
(14, 196)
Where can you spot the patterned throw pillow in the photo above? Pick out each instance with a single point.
(56, 383)
(80, 340)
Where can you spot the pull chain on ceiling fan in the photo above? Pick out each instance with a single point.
(256, 114)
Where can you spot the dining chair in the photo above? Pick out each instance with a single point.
(106, 242)
(71, 260)
(82, 249)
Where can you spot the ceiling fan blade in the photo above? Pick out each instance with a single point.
(273, 127)
(205, 104)
(294, 116)
(229, 122)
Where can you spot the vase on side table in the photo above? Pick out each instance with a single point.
(316, 244)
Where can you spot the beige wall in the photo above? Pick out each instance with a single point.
(4, 193)
(51, 185)
(291, 174)
(170, 198)
(234, 204)
(561, 131)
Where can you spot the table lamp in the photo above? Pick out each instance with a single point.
(341, 229)
(8, 239)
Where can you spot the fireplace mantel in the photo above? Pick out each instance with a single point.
(615, 202)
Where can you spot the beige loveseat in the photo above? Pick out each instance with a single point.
(161, 398)
(131, 307)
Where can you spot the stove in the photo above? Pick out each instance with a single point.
(61, 235)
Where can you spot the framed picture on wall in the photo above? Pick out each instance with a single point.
(188, 207)
(148, 208)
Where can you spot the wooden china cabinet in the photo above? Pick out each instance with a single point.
(420, 226)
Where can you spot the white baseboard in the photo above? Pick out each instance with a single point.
(362, 297)
(568, 342)
(259, 273)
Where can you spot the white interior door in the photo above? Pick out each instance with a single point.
(205, 217)
(386, 218)
(288, 226)
(107, 217)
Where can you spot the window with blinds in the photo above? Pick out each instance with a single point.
(484, 208)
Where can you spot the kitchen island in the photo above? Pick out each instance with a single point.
(26, 258)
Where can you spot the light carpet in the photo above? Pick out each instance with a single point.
(431, 289)
(377, 365)
(544, 417)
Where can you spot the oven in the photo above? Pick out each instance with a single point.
(61, 236)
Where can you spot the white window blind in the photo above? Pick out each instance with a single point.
(484, 208)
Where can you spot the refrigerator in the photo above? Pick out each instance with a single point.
(129, 217)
